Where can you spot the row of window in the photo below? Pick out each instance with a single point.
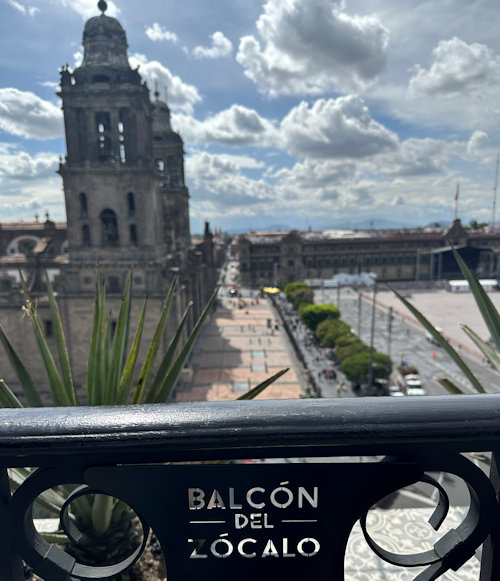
(84, 205)
(341, 261)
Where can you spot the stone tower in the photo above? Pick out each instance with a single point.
(127, 204)
(123, 176)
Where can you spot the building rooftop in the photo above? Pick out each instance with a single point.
(30, 225)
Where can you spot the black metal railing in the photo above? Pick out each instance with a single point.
(149, 456)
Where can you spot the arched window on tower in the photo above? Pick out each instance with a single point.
(109, 225)
(133, 235)
(131, 204)
(86, 236)
(84, 209)
(103, 128)
(121, 138)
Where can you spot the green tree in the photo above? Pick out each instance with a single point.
(475, 225)
(302, 296)
(356, 367)
(354, 348)
(330, 330)
(292, 287)
(313, 315)
(347, 339)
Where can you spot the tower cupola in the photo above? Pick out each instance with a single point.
(104, 42)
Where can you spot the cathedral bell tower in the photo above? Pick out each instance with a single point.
(168, 149)
(113, 205)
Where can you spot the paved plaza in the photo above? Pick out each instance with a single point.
(236, 351)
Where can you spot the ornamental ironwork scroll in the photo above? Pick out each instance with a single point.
(250, 521)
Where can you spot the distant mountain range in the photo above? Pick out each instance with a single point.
(376, 223)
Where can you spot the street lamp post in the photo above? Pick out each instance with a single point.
(389, 330)
(359, 314)
(372, 336)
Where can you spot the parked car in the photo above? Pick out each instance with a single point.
(416, 390)
(395, 391)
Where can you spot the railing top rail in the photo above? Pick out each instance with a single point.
(243, 429)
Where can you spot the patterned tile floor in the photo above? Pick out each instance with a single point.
(402, 531)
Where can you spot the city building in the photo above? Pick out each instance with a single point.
(127, 207)
(282, 257)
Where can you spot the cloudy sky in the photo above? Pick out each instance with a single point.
(294, 113)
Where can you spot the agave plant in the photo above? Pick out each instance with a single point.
(113, 378)
(490, 350)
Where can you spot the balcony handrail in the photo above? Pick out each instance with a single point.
(245, 429)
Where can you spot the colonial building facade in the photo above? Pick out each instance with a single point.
(127, 204)
(281, 257)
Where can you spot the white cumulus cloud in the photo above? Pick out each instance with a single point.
(157, 32)
(27, 11)
(237, 126)
(25, 114)
(221, 47)
(457, 67)
(180, 95)
(217, 180)
(20, 165)
(341, 128)
(311, 46)
(475, 142)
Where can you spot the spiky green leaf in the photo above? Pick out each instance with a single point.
(102, 510)
(56, 386)
(486, 307)
(165, 390)
(7, 397)
(48, 499)
(60, 341)
(96, 370)
(254, 392)
(155, 346)
(162, 375)
(490, 354)
(30, 391)
(55, 538)
(92, 364)
(118, 342)
(126, 379)
(449, 386)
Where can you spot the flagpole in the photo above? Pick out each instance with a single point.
(456, 200)
(493, 212)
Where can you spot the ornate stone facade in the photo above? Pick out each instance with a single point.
(281, 257)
